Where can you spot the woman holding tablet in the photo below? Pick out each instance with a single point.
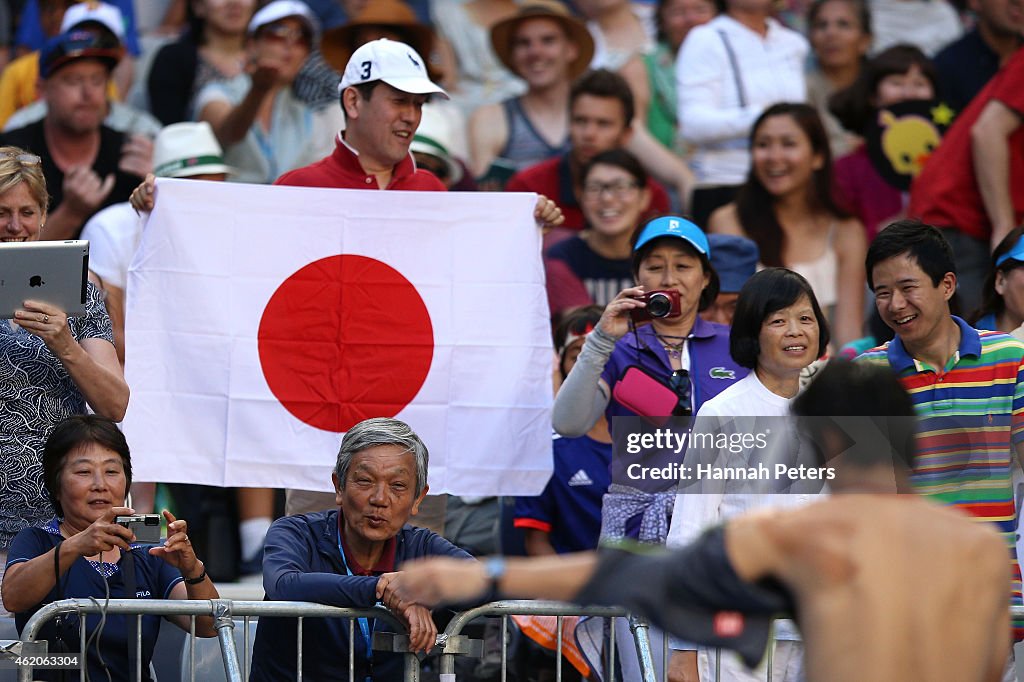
(51, 367)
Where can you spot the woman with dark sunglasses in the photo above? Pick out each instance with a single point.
(778, 330)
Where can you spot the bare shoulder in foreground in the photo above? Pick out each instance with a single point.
(887, 587)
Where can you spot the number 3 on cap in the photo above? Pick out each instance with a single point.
(365, 75)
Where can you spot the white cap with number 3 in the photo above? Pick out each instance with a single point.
(390, 61)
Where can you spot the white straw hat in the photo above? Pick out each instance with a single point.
(185, 149)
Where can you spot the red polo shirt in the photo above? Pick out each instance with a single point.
(342, 170)
(386, 563)
(553, 179)
(946, 192)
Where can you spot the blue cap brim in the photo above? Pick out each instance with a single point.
(674, 226)
(1016, 253)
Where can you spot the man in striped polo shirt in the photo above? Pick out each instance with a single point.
(967, 385)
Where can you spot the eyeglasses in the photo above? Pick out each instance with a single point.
(618, 189)
(23, 159)
(289, 35)
(679, 381)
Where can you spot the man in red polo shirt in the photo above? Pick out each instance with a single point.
(383, 90)
(973, 185)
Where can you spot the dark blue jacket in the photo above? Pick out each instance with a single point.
(302, 563)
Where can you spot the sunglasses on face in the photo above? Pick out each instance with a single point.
(289, 35)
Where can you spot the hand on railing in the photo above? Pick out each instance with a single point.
(417, 618)
(422, 631)
(438, 579)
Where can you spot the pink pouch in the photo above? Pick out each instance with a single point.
(646, 395)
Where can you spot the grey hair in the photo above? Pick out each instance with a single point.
(382, 431)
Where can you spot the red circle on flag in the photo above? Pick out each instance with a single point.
(343, 339)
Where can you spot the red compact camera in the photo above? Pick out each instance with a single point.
(660, 304)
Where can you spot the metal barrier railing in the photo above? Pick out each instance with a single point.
(452, 641)
(224, 612)
(456, 644)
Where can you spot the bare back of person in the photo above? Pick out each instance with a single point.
(887, 587)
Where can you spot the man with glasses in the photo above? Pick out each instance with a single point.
(264, 128)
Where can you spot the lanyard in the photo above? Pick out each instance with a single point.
(364, 623)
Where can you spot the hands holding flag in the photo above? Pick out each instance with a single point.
(547, 214)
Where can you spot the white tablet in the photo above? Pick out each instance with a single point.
(51, 272)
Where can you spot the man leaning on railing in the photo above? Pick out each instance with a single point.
(350, 556)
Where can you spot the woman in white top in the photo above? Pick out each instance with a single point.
(727, 72)
(619, 34)
(786, 206)
(840, 35)
(777, 331)
(264, 129)
(466, 26)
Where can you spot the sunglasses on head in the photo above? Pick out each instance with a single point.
(23, 159)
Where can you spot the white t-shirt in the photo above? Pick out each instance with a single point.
(928, 24)
(113, 236)
(711, 117)
(694, 512)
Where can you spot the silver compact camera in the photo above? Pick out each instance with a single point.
(145, 526)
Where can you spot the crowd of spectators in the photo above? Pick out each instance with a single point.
(674, 144)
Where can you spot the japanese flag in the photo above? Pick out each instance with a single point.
(262, 322)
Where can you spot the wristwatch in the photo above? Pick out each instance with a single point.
(494, 569)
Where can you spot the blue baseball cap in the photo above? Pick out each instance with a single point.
(734, 259)
(1016, 253)
(674, 226)
(79, 43)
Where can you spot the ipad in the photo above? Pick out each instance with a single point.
(51, 272)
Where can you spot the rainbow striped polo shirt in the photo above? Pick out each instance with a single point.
(972, 415)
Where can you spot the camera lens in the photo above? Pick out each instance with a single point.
(659, 305)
